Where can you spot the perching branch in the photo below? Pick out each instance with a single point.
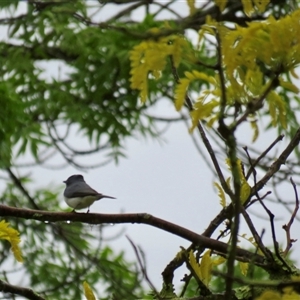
(139, 218)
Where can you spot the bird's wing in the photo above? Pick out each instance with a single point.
(82, 190)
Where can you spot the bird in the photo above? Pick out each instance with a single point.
(78, 194)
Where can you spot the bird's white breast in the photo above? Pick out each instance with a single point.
(79, 203)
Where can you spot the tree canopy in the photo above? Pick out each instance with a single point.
(71, 69)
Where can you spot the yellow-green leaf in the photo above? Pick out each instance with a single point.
(277, 109)
(89, 295)
(248, 7)
(261, 5)
(269, 295)
(195, 266)
(180, 48)
(289, 86)
(221, 194)
(202, 110)
(205, 267)
(218, 260)
(228, 182)
(245, 191)
(254, 81)
(244, 267)
(12, 235)
(203, 76)
(181, 89)
(221, 4)
(227, 162)
(240, 168)
(212, 120)
(294, 74)
(290, 294)
(180, 92)
(191, 4)
(203, 271)
(150, 57)
(255, 130)
(266, 42)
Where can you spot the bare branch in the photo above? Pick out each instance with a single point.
(21, 291)
(137, 252)
(254, 164)
(271, 215)
(257, 238)
(20, 186)
(127, 10)
(288, 226)
(279, 162)
(139, 218)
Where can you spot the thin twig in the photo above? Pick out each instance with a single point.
(275, 243)
(137, 252)
(257, 238)
(20, 186)
(164, 7)
(126, 11)
(256, 200)
(263, 154)
(251, 269)
(197, 146)
(256, 104)
(186, 279)
(279, 162)
(287, 227)
(206, 142)
(271, 215)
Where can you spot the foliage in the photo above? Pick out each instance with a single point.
(88, 292)
(240, 69)
(12, 236)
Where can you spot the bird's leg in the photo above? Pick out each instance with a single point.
(88, 210)
(73, 211)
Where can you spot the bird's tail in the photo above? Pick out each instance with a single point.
(105, 196)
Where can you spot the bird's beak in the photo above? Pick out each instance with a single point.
(64, 181)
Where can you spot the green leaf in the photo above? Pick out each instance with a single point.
(221, 194)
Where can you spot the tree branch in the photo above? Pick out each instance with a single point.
(277, 164)
(139, 218)
(287, 227)
(17, 290)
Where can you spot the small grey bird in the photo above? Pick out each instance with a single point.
(78, 194)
